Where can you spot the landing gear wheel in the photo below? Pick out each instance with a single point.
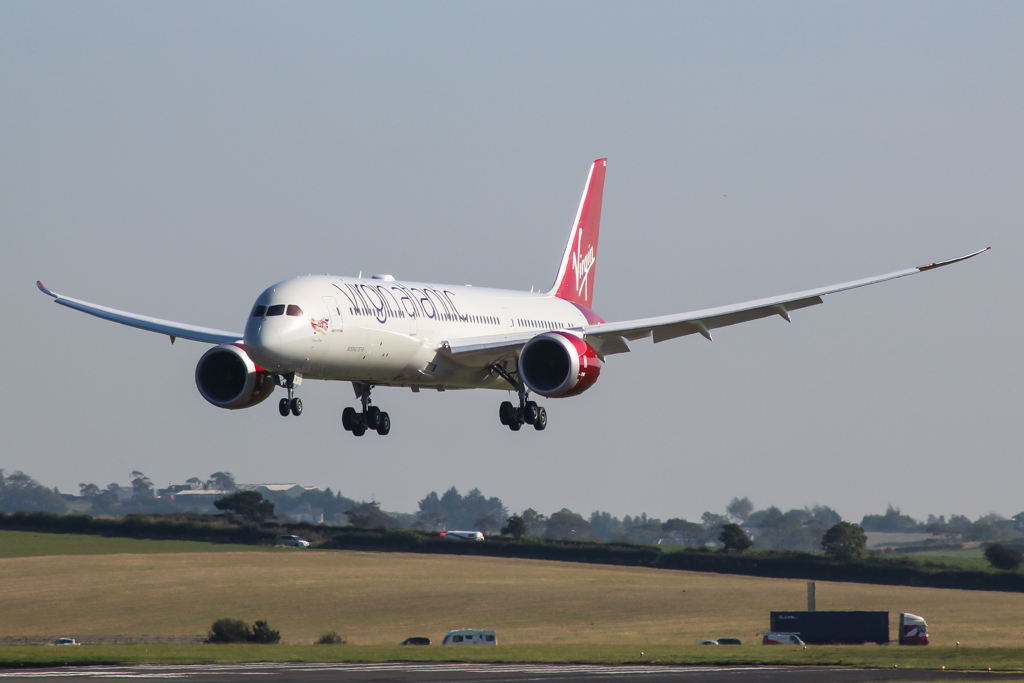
(385, 424)
(542, 420)
(515, 426)
(530, 412)
(372, 417)
(359, 430)
(348, 419)
(284, 407)
(506, 413)
(296, 406)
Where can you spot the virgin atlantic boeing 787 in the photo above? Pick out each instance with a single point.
(379, 331)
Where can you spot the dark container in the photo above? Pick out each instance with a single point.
(834, 628)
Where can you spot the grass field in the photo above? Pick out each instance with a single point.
(165, 588)
(31, 544)
(962, 659)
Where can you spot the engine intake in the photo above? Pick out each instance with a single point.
(227, 378)
(558, 364)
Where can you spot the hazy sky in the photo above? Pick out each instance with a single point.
(175, 159)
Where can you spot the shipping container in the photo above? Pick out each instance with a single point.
(834, 628)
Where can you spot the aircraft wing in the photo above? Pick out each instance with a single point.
(142, 322)
(609, 338)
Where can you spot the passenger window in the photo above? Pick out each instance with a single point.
(490, 639)
(259, 311)
(457, 639)
(293, 310)
(277, 309)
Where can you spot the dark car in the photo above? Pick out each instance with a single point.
(415, 641)
(729, 641)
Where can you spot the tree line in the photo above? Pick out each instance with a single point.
(770, 527)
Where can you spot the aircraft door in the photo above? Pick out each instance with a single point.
(507, 315)
(334, 314)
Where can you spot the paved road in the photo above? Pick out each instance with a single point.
(492, 673)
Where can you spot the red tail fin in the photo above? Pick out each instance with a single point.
(575, 279)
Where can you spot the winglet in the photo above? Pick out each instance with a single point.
(939, 264)
(43, 289)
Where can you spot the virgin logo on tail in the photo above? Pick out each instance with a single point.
(581, 265)
(578, 286)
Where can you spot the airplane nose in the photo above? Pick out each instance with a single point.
(263, 342)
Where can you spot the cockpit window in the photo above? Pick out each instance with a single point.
(277, 309)
(294, 310)
(259, 311)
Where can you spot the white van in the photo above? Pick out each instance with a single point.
(469, 636)
(462, 535)
(779, 638)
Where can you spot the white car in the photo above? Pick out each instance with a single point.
(293, 541)
(65, 641)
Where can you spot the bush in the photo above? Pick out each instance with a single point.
(1001, 557)
(229, 630)
(264, 635)
(330, 638)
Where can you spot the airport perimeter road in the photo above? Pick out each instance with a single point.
(494, 673)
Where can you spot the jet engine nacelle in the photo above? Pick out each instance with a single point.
(558, 364)
(227, 378)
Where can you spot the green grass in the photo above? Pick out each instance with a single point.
(33, 544)
(883, 657)
(973, 558)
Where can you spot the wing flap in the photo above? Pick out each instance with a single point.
(143, 322)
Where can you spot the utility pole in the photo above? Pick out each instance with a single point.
(810, 596)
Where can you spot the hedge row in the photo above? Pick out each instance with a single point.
(874, 569)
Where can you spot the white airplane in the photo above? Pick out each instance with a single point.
(379, 331)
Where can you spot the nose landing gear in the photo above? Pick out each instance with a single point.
(372, 417)
(291, 404)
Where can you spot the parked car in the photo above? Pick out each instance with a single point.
(415, 641)
(709, 642)
(729, 641)
(777, 638)
(293, 541)
(469, 636)
(462, 535)
(65, 641)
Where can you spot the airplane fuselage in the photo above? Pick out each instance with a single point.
(389, 333)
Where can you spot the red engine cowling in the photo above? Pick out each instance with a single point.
(558, 364)
(227, 378)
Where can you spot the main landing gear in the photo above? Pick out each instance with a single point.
(528, 411)
(291, 404)
(372, 417)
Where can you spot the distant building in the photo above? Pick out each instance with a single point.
(291, 490)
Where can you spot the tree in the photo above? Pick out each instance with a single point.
(733, 537)
(248, 504)
(687, 533)
(515, 527)
(221, 481)
(892, 520)
(487, 524)
(536, 523)
(142, 487)
(1001, 557)
(844, 541)
(567, 524)
(18, 491)
(88, 491)
(228, 630)
(740, 508)
(370, 516)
